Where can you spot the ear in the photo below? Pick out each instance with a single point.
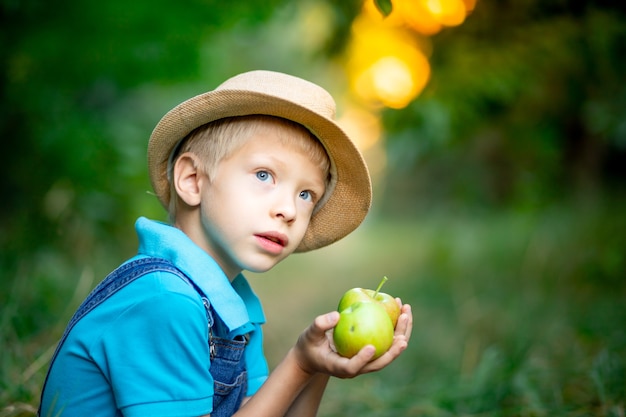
(188, 179)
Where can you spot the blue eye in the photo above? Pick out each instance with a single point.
(263, 176)
(306, 195)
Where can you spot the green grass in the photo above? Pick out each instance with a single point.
(515, 314)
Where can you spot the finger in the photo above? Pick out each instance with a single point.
(405, 322)
(401, 338)
(406, 309)
(364, 355)
(399, 345)
(320, 331)
(326, 321)
(349, 368)
(314, 343)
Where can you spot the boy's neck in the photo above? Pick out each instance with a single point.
(188, 221)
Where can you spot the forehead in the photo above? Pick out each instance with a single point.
(282, 129)
(293, 134)
(276, 141)
(266, 151)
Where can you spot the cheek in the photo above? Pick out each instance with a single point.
(304, 223)
(305, 211)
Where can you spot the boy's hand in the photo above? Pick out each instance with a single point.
(314, 352)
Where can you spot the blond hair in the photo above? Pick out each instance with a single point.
(217, 140)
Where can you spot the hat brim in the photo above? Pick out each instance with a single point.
(344, 209)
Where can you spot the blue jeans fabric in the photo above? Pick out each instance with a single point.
(230, 380)
(227, 356)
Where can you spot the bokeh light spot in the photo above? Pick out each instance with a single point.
(447, 12)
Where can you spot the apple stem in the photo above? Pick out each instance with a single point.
(382, 282)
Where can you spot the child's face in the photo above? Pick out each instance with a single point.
(257, 207)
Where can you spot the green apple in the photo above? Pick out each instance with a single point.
(362, 324)
(365, 295)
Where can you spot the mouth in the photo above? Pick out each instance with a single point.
(273, 239)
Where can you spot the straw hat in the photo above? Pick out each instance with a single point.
(346, 201)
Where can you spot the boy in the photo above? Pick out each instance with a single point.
(250, 172)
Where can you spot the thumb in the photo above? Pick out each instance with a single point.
(326, 321)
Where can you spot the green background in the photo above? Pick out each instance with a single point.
(500, 217)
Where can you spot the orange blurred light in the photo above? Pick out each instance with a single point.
(416, 15)
(447, 12)
(470, 5)
(365, 128)
(385, 64)
(412, 14)
(362, 126)
(393, 82)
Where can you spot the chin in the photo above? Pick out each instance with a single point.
(262, 265)
(259, 269)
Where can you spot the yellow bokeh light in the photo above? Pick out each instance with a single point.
(392, 81)
(469, 5)
(426, 17)
(385, 64)
(412, 14)
(362, 126)
(416, 15)
(365, 128)
(447, 12)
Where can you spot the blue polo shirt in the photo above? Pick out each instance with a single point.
(144, 351)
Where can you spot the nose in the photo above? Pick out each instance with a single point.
(284, 207)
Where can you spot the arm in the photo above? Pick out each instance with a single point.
(296, 386)
(308, 402)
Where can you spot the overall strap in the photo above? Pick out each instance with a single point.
(115, 281)
(118, 279)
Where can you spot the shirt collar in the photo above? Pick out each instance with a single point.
(235, 303)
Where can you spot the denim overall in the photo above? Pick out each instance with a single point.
(227, 356)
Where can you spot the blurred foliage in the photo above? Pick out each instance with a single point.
(515, 313)
(527, 104)
(525, 108)
(66, 69)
